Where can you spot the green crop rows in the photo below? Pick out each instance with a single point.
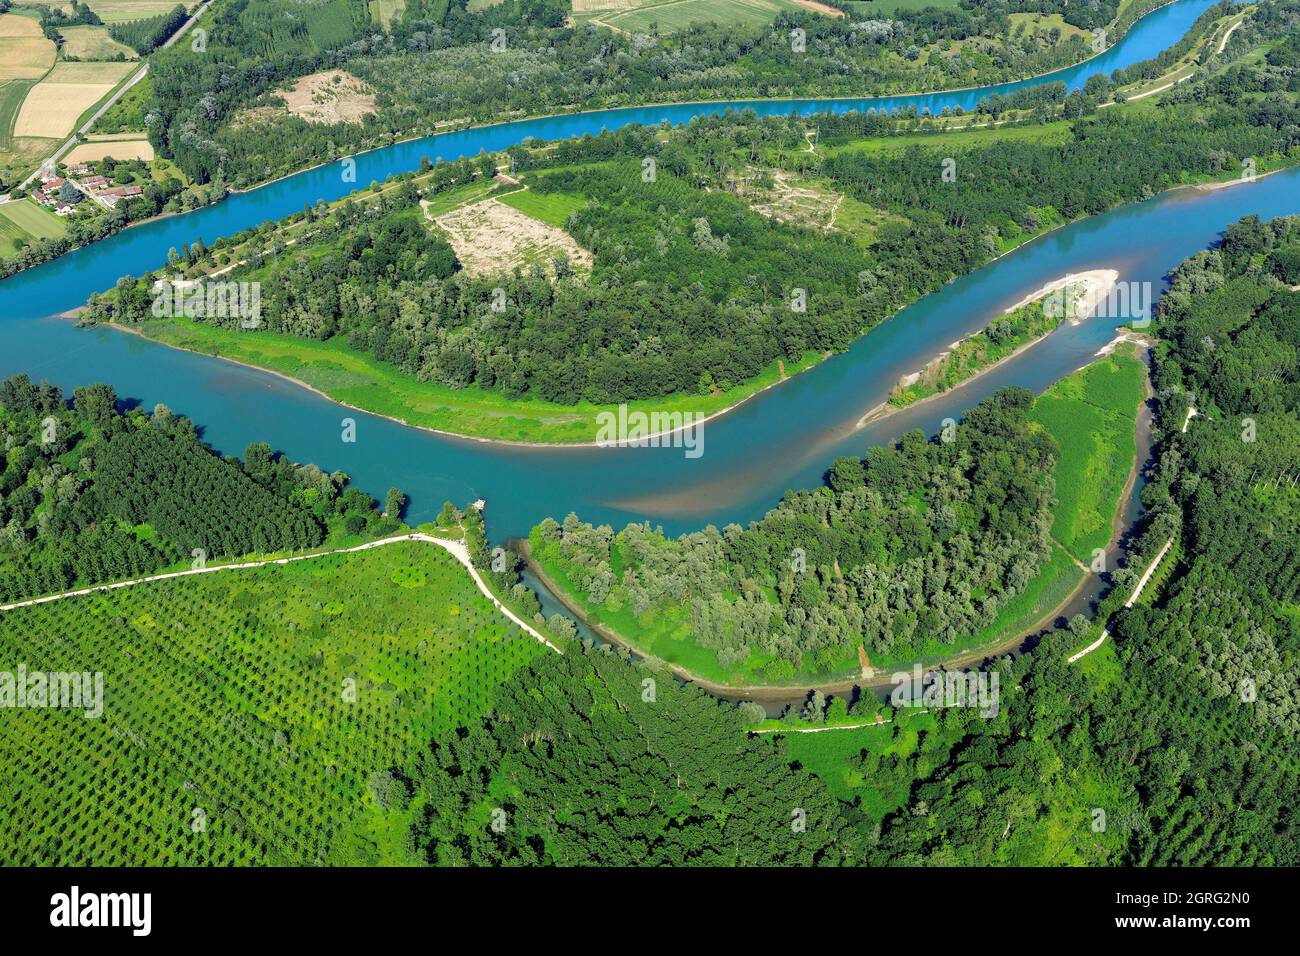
(227, 694)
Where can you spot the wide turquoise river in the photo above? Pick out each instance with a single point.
(784, 438)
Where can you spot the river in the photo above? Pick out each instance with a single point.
(782, 439)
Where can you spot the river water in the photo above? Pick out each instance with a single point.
(782, 439)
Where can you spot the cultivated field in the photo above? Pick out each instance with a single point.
(117, 148)
(248, 716)
(25, 52)
(117, 11)
(21, 221)
(32, 219)
(54, 104)
(782, 196)
(491, 237)
(21, 155)
(93, 43)
(385, 12)
(12, 94)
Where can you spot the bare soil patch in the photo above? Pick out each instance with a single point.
(777, 194)
(821, 8)
(490, 237)
(333, 96)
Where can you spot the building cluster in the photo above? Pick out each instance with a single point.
(99, 188)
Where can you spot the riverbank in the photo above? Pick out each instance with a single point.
(481, 416)
(1091, 287)
(1084, 588)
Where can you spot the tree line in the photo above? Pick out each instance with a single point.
(92, 491)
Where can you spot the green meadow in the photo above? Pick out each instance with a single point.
(357, 379)
(1091, 416)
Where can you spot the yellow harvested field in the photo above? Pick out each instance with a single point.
(54, 104)
(589, 6)
(16, 25)
(117, 148)
(117, 11)
(490, 237)
(25, 52)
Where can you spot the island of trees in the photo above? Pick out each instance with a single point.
(699, 288)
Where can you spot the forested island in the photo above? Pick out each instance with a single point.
(1075, 299)
(690, 300)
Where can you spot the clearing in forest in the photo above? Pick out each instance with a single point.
(491, 237)
(119, 11)
(332, 96)
(795, 201)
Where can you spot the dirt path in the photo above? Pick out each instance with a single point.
(457, 549)
(1142, 582)
(1232, 29)
(1137, 591)
(776, 694)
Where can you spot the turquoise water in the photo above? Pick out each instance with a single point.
(783, 439)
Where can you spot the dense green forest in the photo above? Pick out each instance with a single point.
(693, 287)
(1174, 744)
(587, 759)
(925, 540)
(91, 493)
(439, 61)
(1202, 724)
(148, 34)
